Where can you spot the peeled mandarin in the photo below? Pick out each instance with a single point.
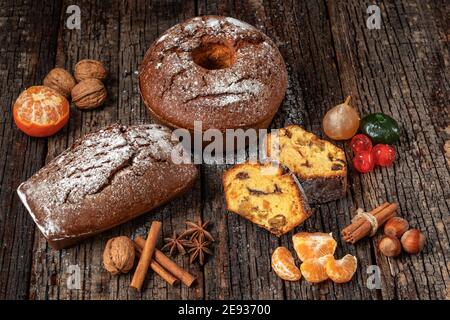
(40, 111)
(284, 266)
(313, 245)
(313, 270)
(341, 271)
(341, 122)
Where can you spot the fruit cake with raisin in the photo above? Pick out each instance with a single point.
(318, 164)
(266, 196)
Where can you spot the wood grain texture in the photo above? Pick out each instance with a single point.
(27, 51)
(401, 69)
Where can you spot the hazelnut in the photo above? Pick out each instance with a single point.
(88, 68)
(89, 94)
(396, 226)
(413, 241)
(390, 246)
(118, 256)
(60, 80)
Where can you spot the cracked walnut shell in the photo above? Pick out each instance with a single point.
(89, 94)
(118, 256)
(88, 68)
(60, 80)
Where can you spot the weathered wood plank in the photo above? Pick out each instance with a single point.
(241, 264)
(302, 32)
(402, 70)
(153, 19)
(27, 50)
(109, 34)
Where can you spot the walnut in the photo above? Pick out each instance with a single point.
(60, 80)
(89, 94)
(87, 68)
(119, 254)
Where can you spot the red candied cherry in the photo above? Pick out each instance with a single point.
(360, 143)
(383, 155)
(364, 162)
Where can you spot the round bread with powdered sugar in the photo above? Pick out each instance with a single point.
(217, 70)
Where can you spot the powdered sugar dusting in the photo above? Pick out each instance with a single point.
(238, 23)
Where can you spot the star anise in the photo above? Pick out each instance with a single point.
(199, 248)
(175, 244)
(197, 231)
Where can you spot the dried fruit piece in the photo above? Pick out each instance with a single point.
(88, 68)
(381, 128)
(40, 111)
(360, 143)
(363, 162)
(341, 122)
(341, 271)
(313, 245)
(383, 155)
(284, 266)
(60, 80)
(313, 270)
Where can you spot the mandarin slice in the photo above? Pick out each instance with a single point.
(40, 111)
(341, 271)
(313, 245)
(313, 270)
(284, 266)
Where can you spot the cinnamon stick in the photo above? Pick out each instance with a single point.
(185, 277)
(358, 223)
(362, 228)
(146, 256)
(157, 268)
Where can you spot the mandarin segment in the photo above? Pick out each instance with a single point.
(313, 245)
(40, 111)
(313, 270)
(284, 266)
(342, 270)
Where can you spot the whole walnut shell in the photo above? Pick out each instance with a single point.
(118, 256)
(89, 68)
(60, 80)
(89, 94)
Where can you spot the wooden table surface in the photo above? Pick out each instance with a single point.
(401, 69)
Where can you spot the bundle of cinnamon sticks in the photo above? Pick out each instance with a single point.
(362, 227)
(151, 257)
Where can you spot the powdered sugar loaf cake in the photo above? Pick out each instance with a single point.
(217, 70)
(104, 179)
